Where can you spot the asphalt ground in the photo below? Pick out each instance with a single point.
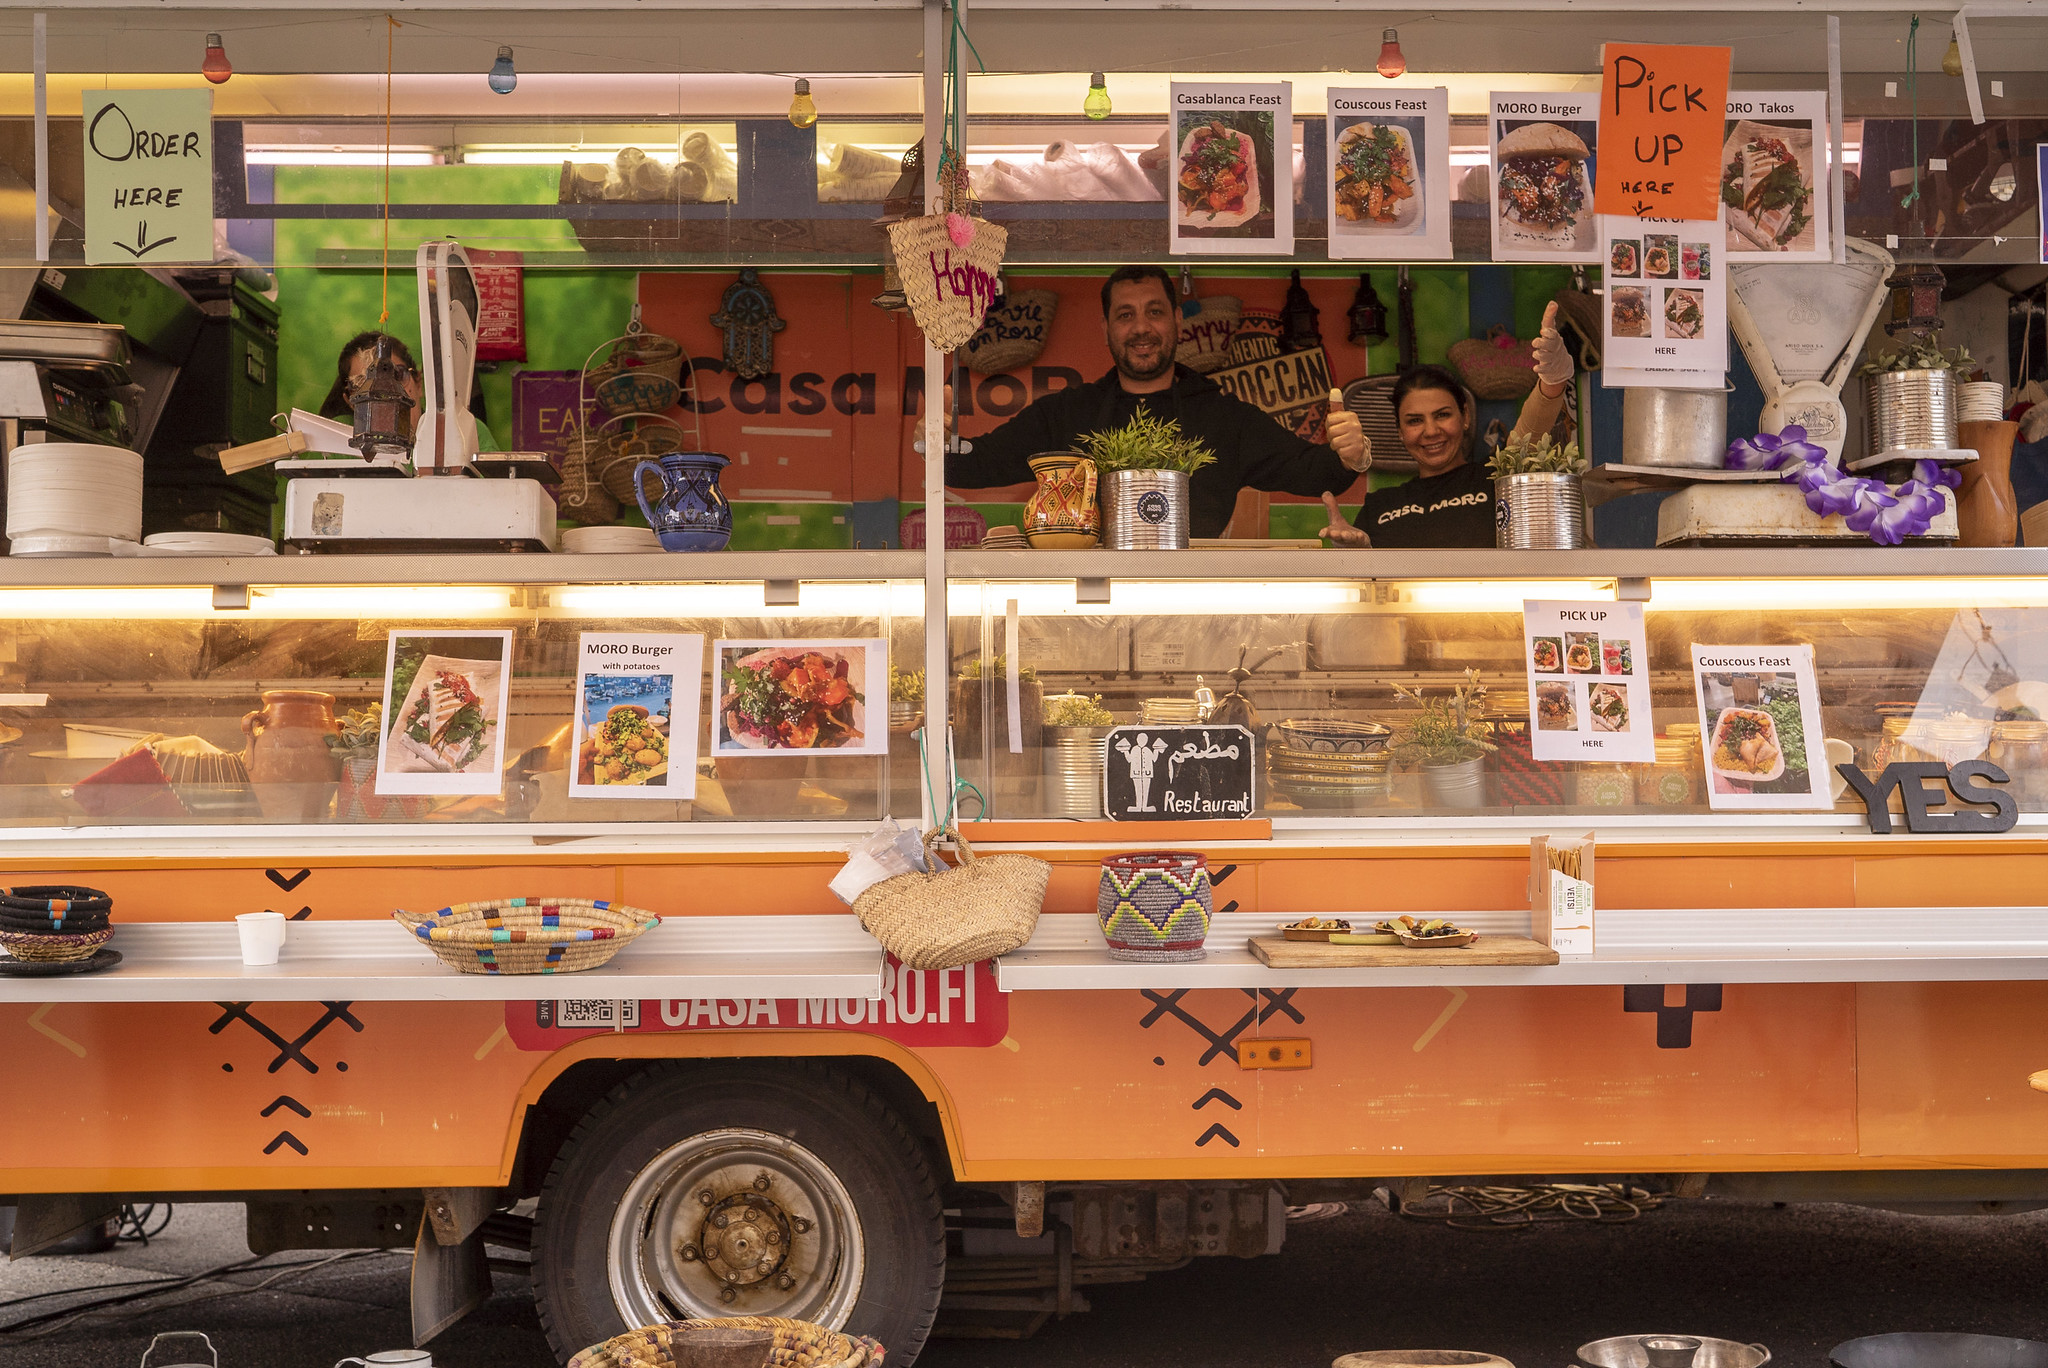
(1797, 1279)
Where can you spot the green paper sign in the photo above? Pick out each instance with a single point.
(148, 177)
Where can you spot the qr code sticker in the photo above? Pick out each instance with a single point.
(598, 1013)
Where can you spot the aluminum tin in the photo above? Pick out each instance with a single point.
(1073, 771)
(1675, 427)
(1145, 510)
(1542, 512)
(1911, 410)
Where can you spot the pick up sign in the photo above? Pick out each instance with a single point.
(1661, 112)
(148, 177)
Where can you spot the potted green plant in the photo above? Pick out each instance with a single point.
(906, 699)
(1077, 728)
(1449, 741)
(1142, 471)
(1911, 395)
(1539, 486)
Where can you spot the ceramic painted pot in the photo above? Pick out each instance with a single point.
(1155, 906)
(1061, 513)
(293, 770)
(692, 513)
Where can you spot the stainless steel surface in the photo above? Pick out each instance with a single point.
(1357, 641)
(75, 346)
(1543, 512)
(1674, 427)
(1636, 1351)
(1910, 411)
(1073, 771)
(1144, 510)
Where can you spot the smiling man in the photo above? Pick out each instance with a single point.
(1140, 324)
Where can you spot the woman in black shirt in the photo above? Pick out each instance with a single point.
(1450, 501)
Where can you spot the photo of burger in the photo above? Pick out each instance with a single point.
(1543, 194)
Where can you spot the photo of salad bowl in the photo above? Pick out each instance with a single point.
(1218, 184)
(1378, 187)
(1746, 746)
(792, 697)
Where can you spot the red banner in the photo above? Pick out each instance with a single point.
(501, 304)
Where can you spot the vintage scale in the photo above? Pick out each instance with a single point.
(369, 504)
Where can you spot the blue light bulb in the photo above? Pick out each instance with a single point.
(503, 77)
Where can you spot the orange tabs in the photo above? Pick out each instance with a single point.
(1661, 111)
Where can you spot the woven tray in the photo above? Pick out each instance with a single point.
(527, 935)
(798, 1344)
(45, 947)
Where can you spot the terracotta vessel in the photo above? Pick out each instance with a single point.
(1061, 513)
(290, 763)
(1987, 512)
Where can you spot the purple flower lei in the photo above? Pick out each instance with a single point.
(1886, 516)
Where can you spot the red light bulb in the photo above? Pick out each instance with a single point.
(1391, 63)
(216, 68)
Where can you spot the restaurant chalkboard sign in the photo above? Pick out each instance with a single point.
(1177, 774)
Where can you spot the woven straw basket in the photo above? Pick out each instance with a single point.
(650, 438)
(798, 1344)
(1206, 326)
(980, 908)
(54, 948)
(527, 935)
(1013, 334)
(583, 499)
(949, 287)
(1496, 366)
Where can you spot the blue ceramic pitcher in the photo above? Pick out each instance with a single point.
(692, 513)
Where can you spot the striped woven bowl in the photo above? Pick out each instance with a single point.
(53, 948)
(527, 935)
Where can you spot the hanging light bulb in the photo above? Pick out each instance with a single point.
(1096, 106)
(1391, 63)
(216, 68)
(504, 76)
(1952, 60)
(802, 113)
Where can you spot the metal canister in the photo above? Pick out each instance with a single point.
(1541, 512)
(1673, 779)
(1144, 510)
(1674, 427)
(1911, 410)
(1073, 771)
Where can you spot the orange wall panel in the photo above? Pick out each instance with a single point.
(1942, 1069)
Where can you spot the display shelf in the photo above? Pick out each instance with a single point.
(1640, 946)
(378, 961)
(653, 567)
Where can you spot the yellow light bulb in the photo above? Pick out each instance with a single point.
(1096, 106)
(802, 113)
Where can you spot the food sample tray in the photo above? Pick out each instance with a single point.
(1279, 953)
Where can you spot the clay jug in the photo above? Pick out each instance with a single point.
(1061, 513)
(293, 769)
(1987, 512)
(692, 513)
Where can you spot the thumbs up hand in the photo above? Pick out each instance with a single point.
(1346, 436)
(1553, 358)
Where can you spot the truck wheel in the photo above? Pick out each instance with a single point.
(739, 1189)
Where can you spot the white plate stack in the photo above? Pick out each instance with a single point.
(72, 499)
(204, 544)
(1982, 401)
(609, 540)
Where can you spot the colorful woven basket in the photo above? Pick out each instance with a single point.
(798, 1344)
(527, 935)
(1154, 906)
(47, 948)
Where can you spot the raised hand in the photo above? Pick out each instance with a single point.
(1345, 435)
(1340, 532)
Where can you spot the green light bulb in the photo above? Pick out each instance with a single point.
(1096, 106)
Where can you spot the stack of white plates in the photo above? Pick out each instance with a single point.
(72, 498)
(205, 544)
(601, 540)
(1168, 712)
(1983, 401)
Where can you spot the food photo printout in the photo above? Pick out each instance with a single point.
(1774, 181)
(636, 715)
(1760, 730)
(1389, 187)
(800, 696)
(1233, 169)
(1666, 308)
(1589, 681)
(444, 712)
(1544, 150)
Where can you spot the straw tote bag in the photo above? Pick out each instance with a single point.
(948, 262)
(982, 907)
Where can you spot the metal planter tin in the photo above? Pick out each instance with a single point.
(1911, 410)
(1674, 427)
(1073, 771)
(1144, 510)
(1541, 512)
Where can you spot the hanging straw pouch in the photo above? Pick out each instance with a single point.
(949, 261)
(980, 908)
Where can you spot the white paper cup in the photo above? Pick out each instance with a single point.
(262, 937)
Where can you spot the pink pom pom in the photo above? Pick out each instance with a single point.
(960, 228)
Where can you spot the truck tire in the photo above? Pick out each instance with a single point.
(739, 1188)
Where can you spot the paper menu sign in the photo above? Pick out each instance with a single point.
(1774, 182)
(1760, 728)
(445, 695)
(1387, 186)
(637, 704)
(1545, 148)
(1232, 168)
(1666, 308)
(1589, 681)
(1661, 107)
(148, 177)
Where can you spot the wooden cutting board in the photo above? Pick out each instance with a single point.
(1279, 953)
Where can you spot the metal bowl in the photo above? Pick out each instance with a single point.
(1335, 736)
(1939, 1351)
(1630, 1351)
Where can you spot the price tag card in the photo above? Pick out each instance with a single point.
(1589, 681)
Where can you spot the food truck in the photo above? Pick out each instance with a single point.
(1746, 810)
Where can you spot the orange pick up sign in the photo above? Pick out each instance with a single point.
(1662, 108)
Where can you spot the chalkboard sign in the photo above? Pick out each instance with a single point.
(1177, 774)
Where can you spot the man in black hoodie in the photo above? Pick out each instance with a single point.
(1140, 323)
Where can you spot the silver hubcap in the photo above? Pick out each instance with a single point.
(735, 1223)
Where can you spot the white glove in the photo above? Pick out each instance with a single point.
(1345, 435)
(1553, 358)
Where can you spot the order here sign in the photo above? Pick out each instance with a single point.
(1662, 107)
(148, 176)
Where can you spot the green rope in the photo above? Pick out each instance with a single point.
(1913, 92)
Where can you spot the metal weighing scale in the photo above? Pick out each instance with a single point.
(433, 492)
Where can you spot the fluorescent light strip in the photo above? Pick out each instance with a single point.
(1502, 596)
(692, 601)
(337, 156)
(1692, 596)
